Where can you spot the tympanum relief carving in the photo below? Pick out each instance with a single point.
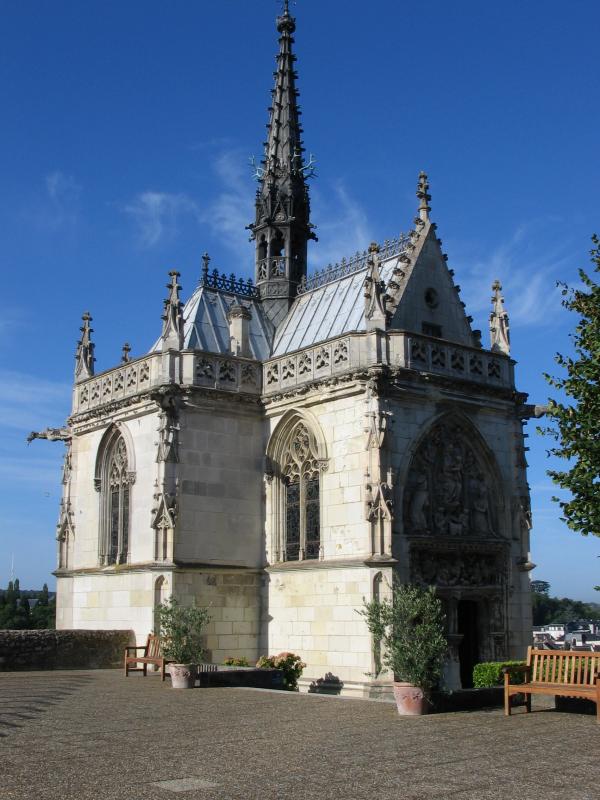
(448, 489)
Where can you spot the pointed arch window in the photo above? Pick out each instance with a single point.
(115, 487)
(301, 482)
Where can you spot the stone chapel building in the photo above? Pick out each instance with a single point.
(288, 444)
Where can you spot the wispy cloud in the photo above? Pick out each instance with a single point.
(156, 215)
(527, 270)
(344, 226)
(57, 207)
(28, 403)
(231, 211)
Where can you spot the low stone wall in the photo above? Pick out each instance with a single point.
(50, 649)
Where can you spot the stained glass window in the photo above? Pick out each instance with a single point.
(300, 470)
(117, 497)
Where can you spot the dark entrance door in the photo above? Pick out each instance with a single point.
(468, 650)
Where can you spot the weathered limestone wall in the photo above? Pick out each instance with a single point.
(344, 531)
(66, 649)
(236, 600)
(141, 432)
(123, 599)
(221, 479)
(313, 613)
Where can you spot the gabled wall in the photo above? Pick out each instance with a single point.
(431, 272)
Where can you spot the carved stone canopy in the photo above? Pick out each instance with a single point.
(449, 487)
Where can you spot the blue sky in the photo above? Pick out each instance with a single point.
(124, 148)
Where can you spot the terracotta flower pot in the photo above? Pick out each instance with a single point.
(183, 676)
(410, 700)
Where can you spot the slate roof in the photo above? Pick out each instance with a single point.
(332, 301)
(329, 304)
(205, 325)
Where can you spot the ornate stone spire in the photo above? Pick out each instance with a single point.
(375, 297)
(424, 198)
(172, 332)
(282, 226)
(84, 356)
(499, 327)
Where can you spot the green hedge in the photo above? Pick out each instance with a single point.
(489, 673)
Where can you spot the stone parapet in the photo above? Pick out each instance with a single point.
(137, 378)
(394, 349)
(65, 649)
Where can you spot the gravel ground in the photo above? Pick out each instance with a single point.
(94, 735)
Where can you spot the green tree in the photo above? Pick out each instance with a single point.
(575, 424)
(540, 587)
(43, 596)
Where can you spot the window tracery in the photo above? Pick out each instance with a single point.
(114, 488)
(300, 475)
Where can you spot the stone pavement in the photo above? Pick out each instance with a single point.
(94, 735)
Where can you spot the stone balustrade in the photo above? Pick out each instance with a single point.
(360, 351)
(347, 353)
(226, 373)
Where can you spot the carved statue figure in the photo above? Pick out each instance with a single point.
(419, 502)
(480, 523)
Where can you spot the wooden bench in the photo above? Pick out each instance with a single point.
(569, 673)
(151, 655)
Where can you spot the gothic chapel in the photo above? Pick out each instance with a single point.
(290, 443)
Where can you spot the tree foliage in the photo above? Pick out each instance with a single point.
(547, 610)
(17, 613)
(410, 627)
(540, 587)
(575, 424)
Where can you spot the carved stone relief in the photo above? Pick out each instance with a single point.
(448, 488)
(456, 568)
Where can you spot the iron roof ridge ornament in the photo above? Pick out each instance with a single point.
(230, 284)
(356, 263)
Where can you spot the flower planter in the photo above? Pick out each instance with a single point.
(410, 700)
(183, 676)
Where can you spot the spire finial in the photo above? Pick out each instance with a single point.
(172, 332)
(205, 263)
(84, 356)
(286, 23)
(125, 353)
(424, 197)
(499, 326)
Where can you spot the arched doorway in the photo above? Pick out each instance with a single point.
(468, 622)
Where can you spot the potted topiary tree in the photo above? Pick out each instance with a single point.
(181, 629)
(408, 631)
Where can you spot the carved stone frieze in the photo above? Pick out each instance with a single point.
(459, 567)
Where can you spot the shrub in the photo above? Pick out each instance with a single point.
(290, 664)
(236, 662)
(181, 630)
(410, 627)
(489, 673)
